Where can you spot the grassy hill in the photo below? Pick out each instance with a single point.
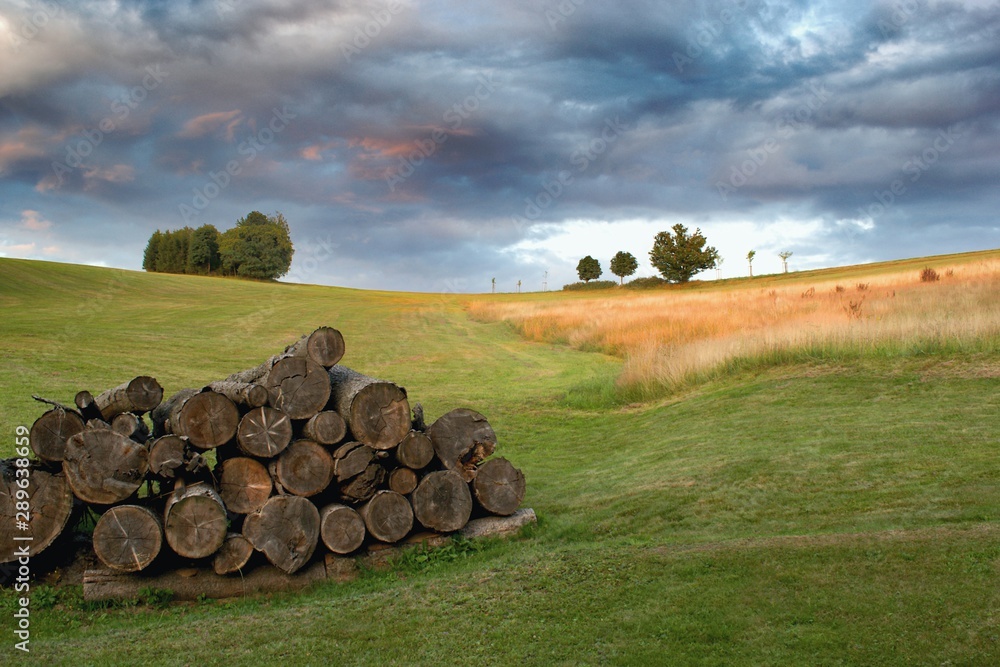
(825, 510)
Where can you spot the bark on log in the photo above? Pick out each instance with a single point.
(50, 502)
(249, 394)
(104, 467)
(499, 486)
(234, 554)
(200, 583)
(127, 538)
(195, 520)
(167, 456)
(304, 468)
(325, 346)
(442, 501)
(462, 438)
(499, 526)
(341, 528)
(376, 412)
(256, 375)
(415, 451)
(88, 406)
(286, 530)
(388, 516)
(326, 428)
(138, 395)
(298, 386)
(131, 426)
(264, 432)
(50, 432)
(164, 417)
(403, 481)
(208, 419)
(244, 485)
(363, 486)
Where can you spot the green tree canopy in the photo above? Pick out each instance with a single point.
(152, 249)
(679, 255)
(623, 264)
(588, 269)
(203, 253)
(257, 247)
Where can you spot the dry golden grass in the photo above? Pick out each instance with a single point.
(669, 337)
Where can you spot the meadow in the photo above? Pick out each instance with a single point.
(834, 508)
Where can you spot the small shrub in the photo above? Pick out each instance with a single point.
(650, 282)
(839, 288)
(929, 275)
(863, 287)
(593, 284)
(44, 597)
(156, 597)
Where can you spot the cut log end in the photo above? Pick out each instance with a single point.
(127, 538)
(50, 500)
(264, 432)
(388, 516)
(499, 486)
(104, 467)
(195, 521)
(285, 530)
(208, 419)
(304, 468)
(341, 528)
(233, 556)
(442, 501)
(462, 439)
(50, 432)
(298, 386)
(415, 451)
(244, 485)
(326, 428)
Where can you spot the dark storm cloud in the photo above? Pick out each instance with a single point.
(425, 140)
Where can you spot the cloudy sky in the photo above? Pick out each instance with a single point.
(433, 145)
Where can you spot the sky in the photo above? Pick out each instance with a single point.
(436, 145)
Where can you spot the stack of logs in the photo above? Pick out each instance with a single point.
(306, 451)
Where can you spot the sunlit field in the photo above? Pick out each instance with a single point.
(673, 336)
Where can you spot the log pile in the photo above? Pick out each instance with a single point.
(298, 459)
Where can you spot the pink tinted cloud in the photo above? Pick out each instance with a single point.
(33, 221)
(225, 122)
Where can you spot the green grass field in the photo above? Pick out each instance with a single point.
(819, 513)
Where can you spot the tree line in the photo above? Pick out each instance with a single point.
(258, 246)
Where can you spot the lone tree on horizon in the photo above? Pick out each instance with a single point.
(784, 255)
(679, 255)
(623, 264)
(750, 256)
(589, 269)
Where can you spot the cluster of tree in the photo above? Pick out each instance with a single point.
(677, 255)
(259, 247)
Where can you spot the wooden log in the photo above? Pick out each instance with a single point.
(351, 459)
(249, 394)
(403, 481)
(49, 502)
(442, 501)
(49, 433)
(127, 538)
(167, 456)
(164, 417)
(138, 395)
(197, 583)
(325, 346)
(85, 402)
(131, 426)
(255, 375)
(195, 520)
(462, 438)
(415, 451)
(376, 412)
(305, 468)
(364, 485)
(326, 428)
(244, 485)
(234, 554)
(298, 386)
(208, 419)
(103, 466)
(286, 530)
(341, 528)
(388, 516)
(499, 486)
(264, 432)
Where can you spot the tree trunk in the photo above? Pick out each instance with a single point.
(286, 530)
(403, 481)
(298, 386)
(351, 459)
(244, 485)
(195, 520)
(415, 451)
(131, 426)
(127, 538)
(388, 516)
(264, 432)
(442, 501)
(249, 394)
(104, 467)
(138, 395)
(165, 416)
(234, 554)
(50, 432)
(88, 406)
(325, 346)
(208, 419)
(257, 374)
(304, 468)
(499, 486)
(499, 526)
(377, 412)
(167, 456)
(462, 438)
(50, 502)
(342, 529)
(326, 428)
